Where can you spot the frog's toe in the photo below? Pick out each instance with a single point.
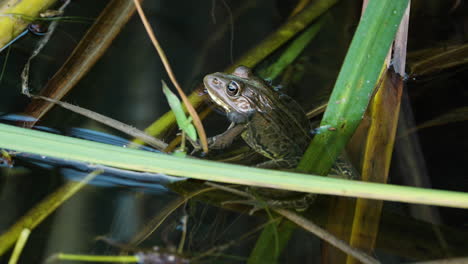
(299, 205)
(278, 164)
(257, 205)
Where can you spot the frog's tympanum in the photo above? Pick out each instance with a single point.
(271, 123)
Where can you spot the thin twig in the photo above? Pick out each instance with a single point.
(184, 221)
(157, 143)
(167, 66)
(309, 226)
(328, 237)
(231, 190)
(225, 246)
(156, 221)
(84, 56)
(40, 45)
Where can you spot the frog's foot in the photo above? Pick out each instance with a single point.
(278, 164)
(213, 143)
(197, 147)
(343, 169)
(299, 204)
(256, 204)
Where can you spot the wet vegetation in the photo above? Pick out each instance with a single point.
(401, 121)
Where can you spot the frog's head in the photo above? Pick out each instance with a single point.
(236, 93)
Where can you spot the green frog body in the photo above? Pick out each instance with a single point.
(271, 123)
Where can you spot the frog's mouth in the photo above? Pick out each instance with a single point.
(218, 101)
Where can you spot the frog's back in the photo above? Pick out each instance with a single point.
(281, 132)
(300, 118)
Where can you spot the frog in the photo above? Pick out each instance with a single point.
(270, 122)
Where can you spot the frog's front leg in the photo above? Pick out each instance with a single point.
(222, 140)
(225, 139)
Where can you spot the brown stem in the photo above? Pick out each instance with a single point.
(167, 66)
(93, 45)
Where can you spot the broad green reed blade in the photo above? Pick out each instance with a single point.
(46, 144)
(355, 84)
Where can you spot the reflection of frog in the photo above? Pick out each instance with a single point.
(271, 123)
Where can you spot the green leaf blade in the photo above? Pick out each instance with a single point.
(184, 123)
(355, 84)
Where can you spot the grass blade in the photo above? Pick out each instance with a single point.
(31, 141)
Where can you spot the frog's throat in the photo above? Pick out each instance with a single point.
(219, 101)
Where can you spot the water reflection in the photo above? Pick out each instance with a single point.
(76, 170)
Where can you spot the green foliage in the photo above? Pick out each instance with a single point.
(291, 52)
(271, 242)
(184, 123)
(47, 144)
(355, 84)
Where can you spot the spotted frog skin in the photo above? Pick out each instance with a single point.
(271, 123)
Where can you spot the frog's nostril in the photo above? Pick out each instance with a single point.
(215, 81)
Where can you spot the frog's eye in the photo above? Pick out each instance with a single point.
(232, 88)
